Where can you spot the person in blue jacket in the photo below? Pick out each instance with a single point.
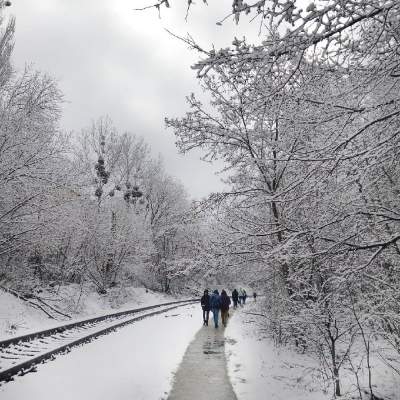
(215, 305)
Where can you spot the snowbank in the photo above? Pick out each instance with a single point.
(259, 370)
(16, 317)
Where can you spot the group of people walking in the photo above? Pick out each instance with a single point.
(220, 302)
(239, 297)
(215, 303)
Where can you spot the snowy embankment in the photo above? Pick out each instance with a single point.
(136, 362)
(258, 369)
(18, 317)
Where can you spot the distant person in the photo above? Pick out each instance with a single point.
(225, 303)
(235, 298)
(241, 297)
(244, 297)
(255, 296)
(205, 305)
(215, 305)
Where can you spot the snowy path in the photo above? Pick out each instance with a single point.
(202, 374)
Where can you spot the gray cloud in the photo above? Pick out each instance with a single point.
(111, 60)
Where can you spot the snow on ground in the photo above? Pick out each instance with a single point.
(119, 298)
(18, 317)
(259, 370)
(136, 362)
(385, 382)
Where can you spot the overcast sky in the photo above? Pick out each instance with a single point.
(111, 60)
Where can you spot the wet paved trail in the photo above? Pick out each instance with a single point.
(203, 374)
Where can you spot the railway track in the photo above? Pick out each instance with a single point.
(20, 355)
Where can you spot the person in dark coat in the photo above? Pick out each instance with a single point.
(205, 305)
(235, 298)
(225, 303)
(241, 297)
(215, 305)
(255, 296)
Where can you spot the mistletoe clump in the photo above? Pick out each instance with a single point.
(102, 174)
(98, 192)
(101, 170)
(132, 193)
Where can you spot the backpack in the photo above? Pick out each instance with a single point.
(215, 301)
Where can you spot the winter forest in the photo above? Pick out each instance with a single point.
(306, 126)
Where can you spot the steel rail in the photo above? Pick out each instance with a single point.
(28, 365)
(61, 328)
